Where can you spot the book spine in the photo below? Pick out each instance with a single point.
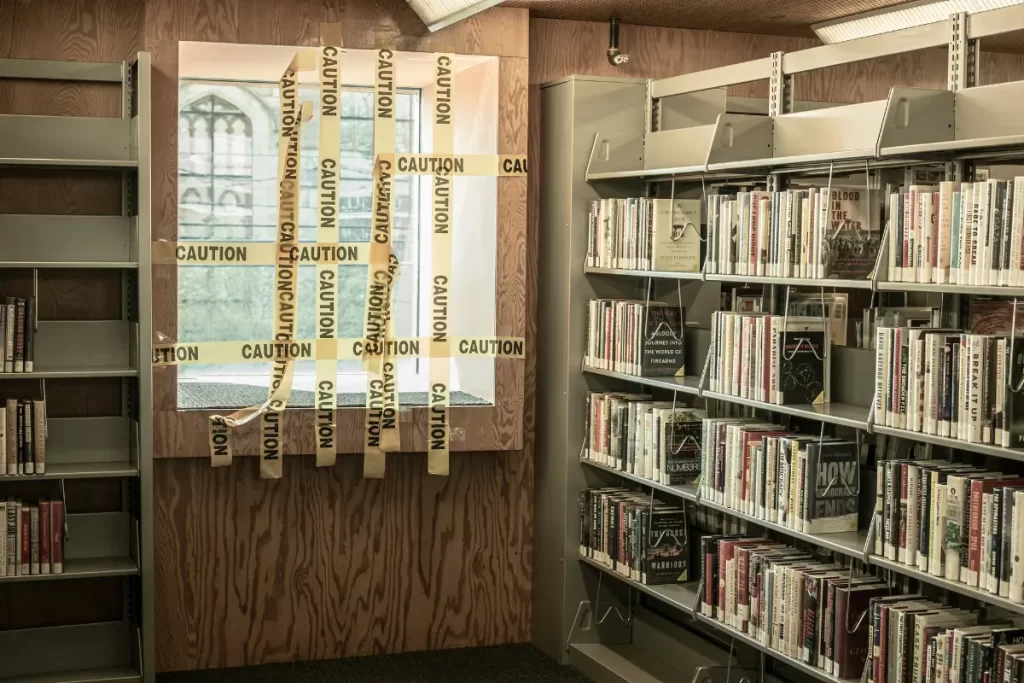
(12, 536)
(3, 538)
(34, 539)
(995, 542)
(19, 336)
(30, 333)
(25, 541)
(57, 529)
(11, 305)
(974, 534)
(29, 449)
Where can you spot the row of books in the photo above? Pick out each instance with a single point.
(950, 384)
(635, 337)
(958, 233)
(17, 332)
(23, 437)
(914, 638)
(640, 234)
(802, 233)
(789, 601)
(770, 358)
(657, 440)
(34, 538)
(640, 538)
(953, 520)
(806, 483)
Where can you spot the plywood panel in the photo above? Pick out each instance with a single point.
(325, 564)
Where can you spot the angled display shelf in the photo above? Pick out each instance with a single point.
(980, 120)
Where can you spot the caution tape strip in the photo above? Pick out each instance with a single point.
(261, 253)
(443, 191)
(218, 353)
(326, 299)
(289, 169)
(383, 270)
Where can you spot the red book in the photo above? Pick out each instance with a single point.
(742, 592)
(26, 541)
(57, 528)
(45, 537)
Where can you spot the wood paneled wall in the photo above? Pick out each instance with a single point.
(322, 563)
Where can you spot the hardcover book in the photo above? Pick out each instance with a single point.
(804, 367)
(662, 346)
(853, 234)
(676, 243)
(833, 476)
(667, 553)
(681, 434)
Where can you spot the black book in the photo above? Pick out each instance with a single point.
(682, 434)
(19, 336)
(953, 351)
(30, 333)
(997, 218)
(662, 348)
(834, 469)
(1015, 397)
(853, 234)
(1004, 636)
(803, 359)
(1006, 537)
(1007, 232)
(667, 551)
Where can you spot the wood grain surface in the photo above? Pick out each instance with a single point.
(325, 564)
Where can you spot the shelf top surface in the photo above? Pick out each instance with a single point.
(688, 384)
(644, 273)
(79, 470)
(70, 163)
(42, 372)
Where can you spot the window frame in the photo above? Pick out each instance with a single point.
(497, 427)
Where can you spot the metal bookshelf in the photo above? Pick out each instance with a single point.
(105, 544)
(607, 137)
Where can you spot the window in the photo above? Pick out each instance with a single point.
(227, 188)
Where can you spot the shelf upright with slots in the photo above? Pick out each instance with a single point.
(116, 544)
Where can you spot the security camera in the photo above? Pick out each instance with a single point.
(615, 58)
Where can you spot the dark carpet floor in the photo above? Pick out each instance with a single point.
(500, 664)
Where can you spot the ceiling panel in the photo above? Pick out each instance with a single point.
(786, 17)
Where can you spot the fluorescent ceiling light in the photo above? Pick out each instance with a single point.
(900, 17)
(437, 14)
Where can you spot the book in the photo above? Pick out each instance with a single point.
(19, 336)
(39, 436)
(45, 537)
(57, 529)
(852, 236)
(11, 434)
(30, 333)
(11, 306)
(13, 537)
(833, 476)
(28, 448)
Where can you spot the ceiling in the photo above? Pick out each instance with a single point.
(776, 17)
